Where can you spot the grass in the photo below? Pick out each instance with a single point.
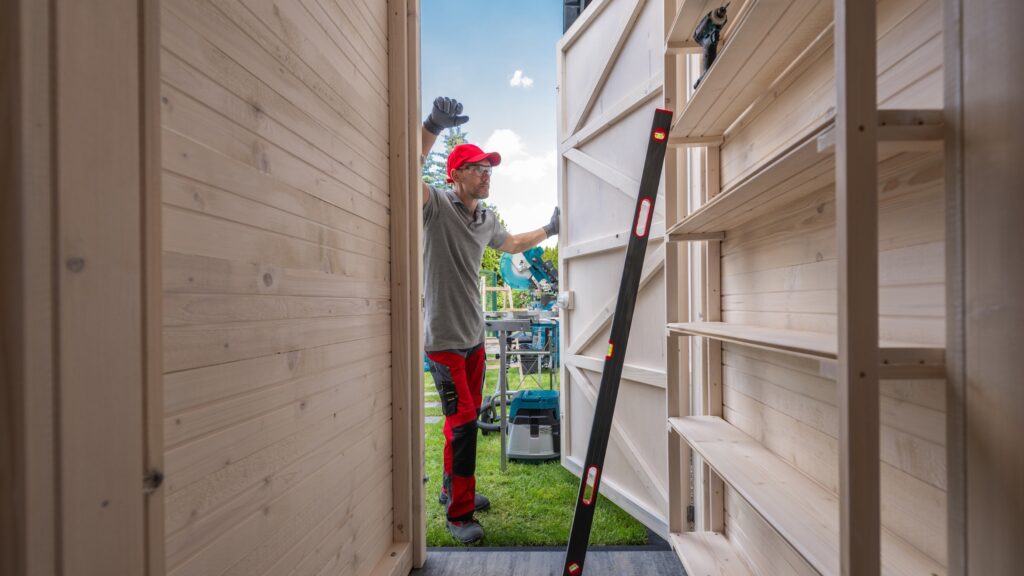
(531, 504)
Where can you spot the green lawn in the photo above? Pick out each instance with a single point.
(531, 504)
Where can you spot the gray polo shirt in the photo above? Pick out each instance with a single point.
(453, 246)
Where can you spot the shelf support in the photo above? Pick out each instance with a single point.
(677, 285)
(857, 239)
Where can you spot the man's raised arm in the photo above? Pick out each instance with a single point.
(445, 113)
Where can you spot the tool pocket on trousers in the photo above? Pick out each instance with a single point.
(445, 387)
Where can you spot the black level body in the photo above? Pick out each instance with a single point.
(586, 501)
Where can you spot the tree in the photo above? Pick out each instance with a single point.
(550, 255)
(435, 167)
(492, 258)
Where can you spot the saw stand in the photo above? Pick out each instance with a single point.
(504, 327)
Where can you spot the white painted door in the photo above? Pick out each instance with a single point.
(610, 78)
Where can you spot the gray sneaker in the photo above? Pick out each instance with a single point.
(467, 531)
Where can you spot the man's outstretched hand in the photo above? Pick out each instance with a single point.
(444, 114)
(551, 228)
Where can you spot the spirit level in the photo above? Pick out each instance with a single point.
(590, 483)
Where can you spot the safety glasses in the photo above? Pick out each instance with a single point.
(478, 168)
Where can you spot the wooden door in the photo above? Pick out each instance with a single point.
(610, 77)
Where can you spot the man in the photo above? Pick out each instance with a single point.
(456, 229)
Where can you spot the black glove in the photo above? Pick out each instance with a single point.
(445, 114)
(551, 228)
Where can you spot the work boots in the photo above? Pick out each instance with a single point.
(466, 531)
(480, 502)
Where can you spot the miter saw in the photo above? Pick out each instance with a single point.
(529, 271)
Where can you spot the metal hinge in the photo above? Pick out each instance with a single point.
(690, 514)
(152, 481)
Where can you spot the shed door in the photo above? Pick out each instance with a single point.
(610, 78)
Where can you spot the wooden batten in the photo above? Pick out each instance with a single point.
(409, 523)
(80, 310)
(988, 203)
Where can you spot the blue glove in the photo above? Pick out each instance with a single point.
(445, 114)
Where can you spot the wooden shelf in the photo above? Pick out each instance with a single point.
(898, 359)
(765, 37)
(809, 166)
(803, 512)
(708, 554)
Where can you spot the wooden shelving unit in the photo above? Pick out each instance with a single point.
(809, 166)
(902, 359)
(771, 49)
(764, 38)
(709, 553)
(803, 512)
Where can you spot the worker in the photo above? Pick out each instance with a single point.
(456, 229)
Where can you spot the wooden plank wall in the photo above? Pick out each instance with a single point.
(277, 339)
(780, 271)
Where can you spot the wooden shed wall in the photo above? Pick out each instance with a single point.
(781, 271)
(277, 286)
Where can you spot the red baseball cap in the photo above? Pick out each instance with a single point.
(469, 154)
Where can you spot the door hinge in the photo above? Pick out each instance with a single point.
(691, 515)
(152, 481)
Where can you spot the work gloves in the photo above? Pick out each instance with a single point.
(444, 114)
(551, 228)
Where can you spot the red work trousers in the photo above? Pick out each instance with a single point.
(459, 378)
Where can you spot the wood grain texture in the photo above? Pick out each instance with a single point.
(280, 284)
(709, 554)
(100, 300)
(79, 125)
(801, 511)
(994, 277)
(408, 522)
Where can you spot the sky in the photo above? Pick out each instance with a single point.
(498, 59)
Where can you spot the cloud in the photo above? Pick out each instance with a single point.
(520, 79)
(524, 188)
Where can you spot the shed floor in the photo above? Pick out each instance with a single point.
(544, 562)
